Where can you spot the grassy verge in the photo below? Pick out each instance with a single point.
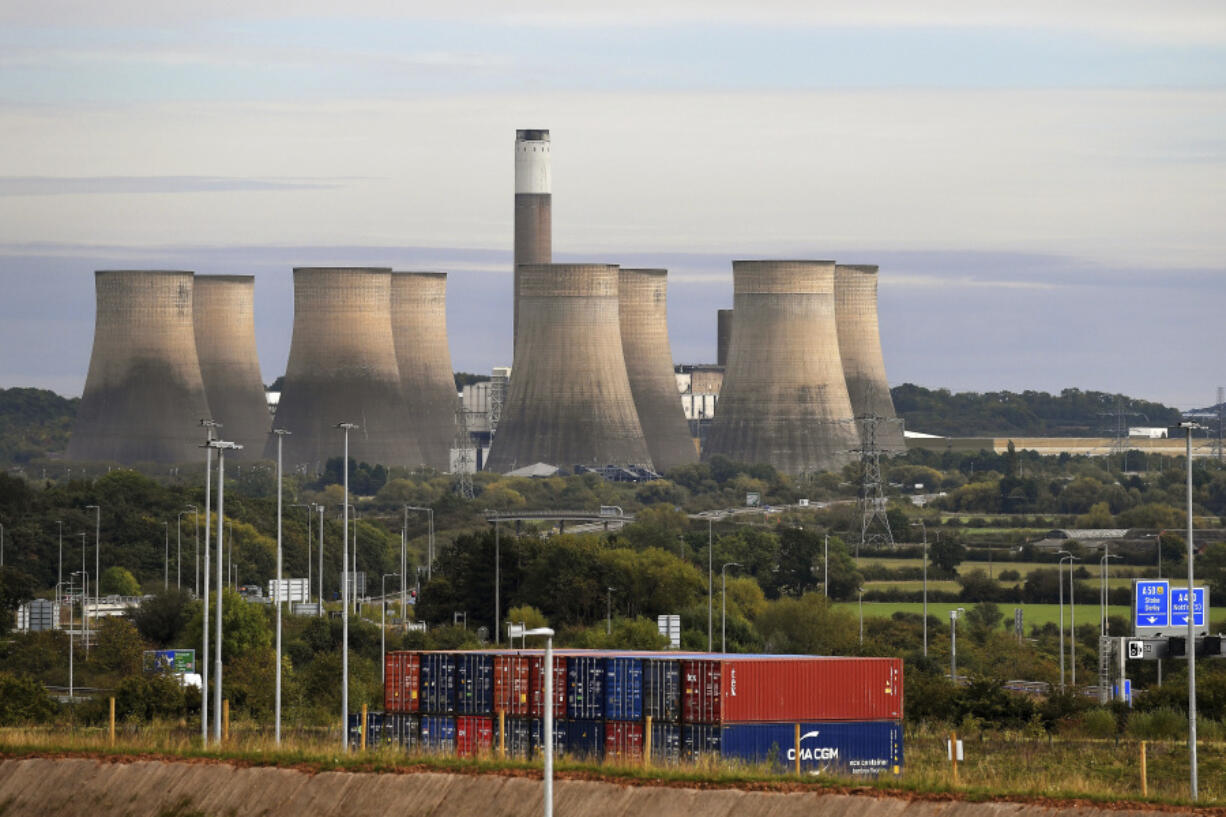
(996, 766)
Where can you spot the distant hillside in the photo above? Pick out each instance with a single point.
(1071, 413)
(34, 423)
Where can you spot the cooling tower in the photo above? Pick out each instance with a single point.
(224, 317)
(144, 396)
(723, 335)
(570, 401)
(784, 400)
(642, 312)
(533, 206)
(419, 328)
(855, 311)
(342, 368)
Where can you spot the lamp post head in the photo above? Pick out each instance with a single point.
(347, 426)
(281, 432)
(223, 445)
(545, 631)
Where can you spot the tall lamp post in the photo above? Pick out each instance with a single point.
(279, 598)
(1064, 554)
(97, 509)
(209, 427)
(710, 585)
(860, 590)
(309, 508)
(953, 644)
(924, 529)
(179, 549)
(430, 541)
(196, 526)
(608, 621)
(222, 447)
(1189, 427)
(60, 575)
(383, 625)
(166, 563)
(548, 634)
(320, 508)
(1103, 594)
(345, 580)
(723, 605)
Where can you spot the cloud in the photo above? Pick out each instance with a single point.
(111, 185)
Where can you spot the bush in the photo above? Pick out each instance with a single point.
(1098, 723)
(23, 700)
(1161, 724)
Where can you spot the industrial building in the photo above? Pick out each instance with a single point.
(343, 369)
(144, 395)
(419, 329)
(224, 319)
(784, 398)
(569, 401)
(855, 310)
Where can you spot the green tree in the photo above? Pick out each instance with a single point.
(120, 649)
(245, 626)
(119, 581)
(23, 700)
(845, 578)
(162, 617)
(808, 626)
(945, 554)
(16, 588)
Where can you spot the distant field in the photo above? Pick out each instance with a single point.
(994, 567)
(1032, 614)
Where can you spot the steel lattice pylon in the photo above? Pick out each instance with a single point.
(464, 459)
(874, 524)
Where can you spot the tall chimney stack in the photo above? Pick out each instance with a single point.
(533, 206)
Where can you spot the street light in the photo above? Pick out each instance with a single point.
(723, 603)
(309, 508)
(1103, 594)
(222, 447)
(320, 508)
(1064, 554)
(196, 528)
(209, 426)
(383, 625)
(548, 634)
(608, 622)
(166, 562)
(97, 547)
(179, 549)
(429, 541)
(346, 428)
(279, 599)
(84, 596)
(1189, 427)
(710, 585)
(60, 579)
(861, 592)
(924, 528)
(953, 644)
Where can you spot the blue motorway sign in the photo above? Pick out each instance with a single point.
(1179, 607)
(1152, 606)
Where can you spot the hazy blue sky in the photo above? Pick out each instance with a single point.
(1042, 185)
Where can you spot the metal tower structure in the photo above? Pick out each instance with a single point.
(1221, 411)
(874, 524)
(463, 458)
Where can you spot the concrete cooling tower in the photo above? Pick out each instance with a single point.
(533, 205)
(855, 311)
(723, 335)
(144, 396)
(342, 369)
(642, 312)
(224, 317)
(419, 328)
(570, 401)
(784, 400)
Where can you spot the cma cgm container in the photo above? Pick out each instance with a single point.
(438, 733)
(474, 684)
(729, 689)
(870, 748)
(402, 677)
(584, 687)
(519, 685)
(662, 689)
(623, 688)
(474, 735)
(437, 685)
(623, 740)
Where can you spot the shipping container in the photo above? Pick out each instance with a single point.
(474, 735)
(403, 674)
(354, 729)
(584, 687)
(842, 747)
(584, 738)
(699, 740)
(438, 733)
(561, 733)
(662, 689)
(755, 689)
(513, 684)
(536, 708)
(474, 680)
(623, 740)
(623, 688)
(517, 733)
(665, 742)
(437, 685)
(378, 730)
(405, 730)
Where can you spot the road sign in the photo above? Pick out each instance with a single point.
(175, 661)
(1179, 608)
(1136, 650)
(1152, 607)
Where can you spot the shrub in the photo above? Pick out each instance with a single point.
(23, 700)
(1160, 724)
(1098, 723)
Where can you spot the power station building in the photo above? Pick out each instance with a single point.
(224, 319)
(144, 395)
(855, 310)
(533, 207)
(784, 399)
(643, 316)
(419, 329)
(343, 369)
(569, 401)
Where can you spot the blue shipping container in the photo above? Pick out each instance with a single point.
(857, 748)
(354, 730)
(665, 742)
(584, 738)
(518, 736)
(623, 689)
(560, 733)
(438, 733)
(699, 740)
(584, 687)
(378, 730)
(474, 694)
(404, 729)
(437, 683)
(662, 689)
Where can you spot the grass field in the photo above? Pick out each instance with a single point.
(1116, 572)
(1032, 614)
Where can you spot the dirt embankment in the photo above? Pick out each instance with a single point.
(87, 787)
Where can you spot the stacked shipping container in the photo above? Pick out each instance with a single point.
(848, 710)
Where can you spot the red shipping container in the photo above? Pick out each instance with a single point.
(537, 700)
(403, 674)
(623, 740)
(474, 735)
(748, 689)
(512, 683)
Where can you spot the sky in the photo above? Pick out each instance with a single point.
(1041, 184)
